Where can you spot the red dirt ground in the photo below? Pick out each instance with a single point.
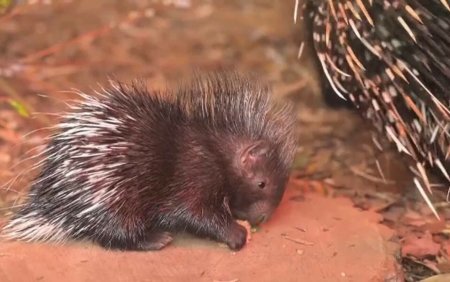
(309, 239)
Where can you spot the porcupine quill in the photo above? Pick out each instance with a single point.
(130, 168)
(391, 59)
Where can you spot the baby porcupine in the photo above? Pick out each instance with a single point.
(128, 168)
(391, 59)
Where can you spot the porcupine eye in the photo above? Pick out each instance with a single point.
(261, 185)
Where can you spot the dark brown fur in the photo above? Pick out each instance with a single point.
(145, 166)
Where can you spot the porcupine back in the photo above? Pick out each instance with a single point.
(392, 60)
(110, 148)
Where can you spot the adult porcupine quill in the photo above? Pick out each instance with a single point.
(391, 59)
(128, 169)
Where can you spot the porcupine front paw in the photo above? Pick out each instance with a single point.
(156, 241)
(236, 237)
(152, 242)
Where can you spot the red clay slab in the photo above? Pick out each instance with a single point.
(314, 239)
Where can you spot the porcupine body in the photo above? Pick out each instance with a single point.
(128, 168)
(391, 59)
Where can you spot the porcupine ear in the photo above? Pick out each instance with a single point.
(252, 154)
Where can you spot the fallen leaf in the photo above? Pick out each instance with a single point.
(300, 161)
(6, 5)
(420, 247)
(19, 107)
(435, 226)
(414, 219)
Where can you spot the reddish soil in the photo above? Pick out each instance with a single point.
(309, 239)
(49, 47)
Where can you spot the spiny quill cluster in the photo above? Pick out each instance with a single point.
(127, 162)
(391, 59)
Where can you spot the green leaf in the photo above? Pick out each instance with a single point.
(19, 107)
(300, 161)
(5, 5)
